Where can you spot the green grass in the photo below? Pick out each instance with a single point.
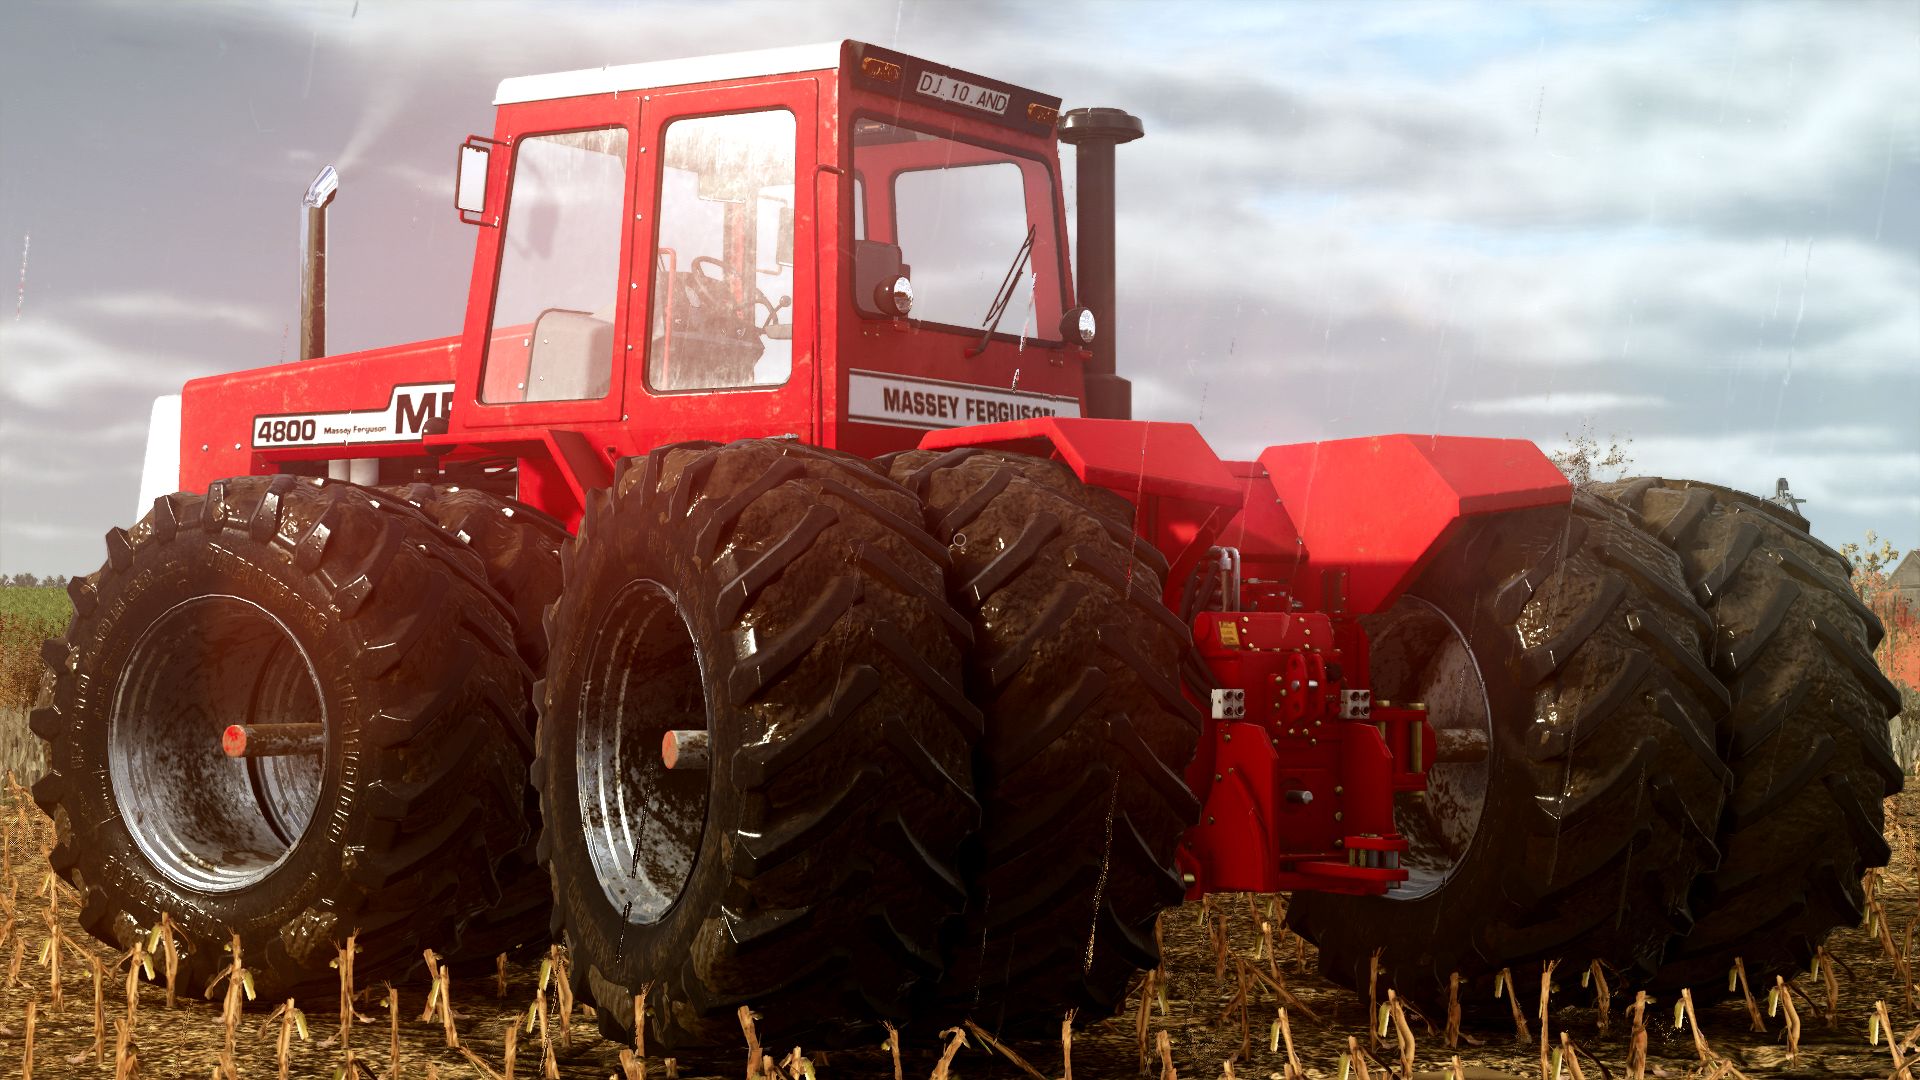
(27, 618)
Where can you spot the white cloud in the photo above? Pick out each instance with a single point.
(50, 365)
(155, 306)
(1572, 404)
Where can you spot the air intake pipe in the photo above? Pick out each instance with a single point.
(1094, 133)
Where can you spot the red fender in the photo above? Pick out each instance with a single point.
(1378, 508)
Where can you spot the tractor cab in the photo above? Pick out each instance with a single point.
(839, 243)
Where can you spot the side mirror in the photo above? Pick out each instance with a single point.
(783, 248)
(470, 183)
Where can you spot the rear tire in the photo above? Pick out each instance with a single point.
(1076, 661)
(520, 548)
(1807, 739)
(786, 601)
(1595, 806)
(278, 600)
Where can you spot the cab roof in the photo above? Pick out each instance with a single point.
(680, 72)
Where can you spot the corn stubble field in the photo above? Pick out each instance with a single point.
(1237, 996)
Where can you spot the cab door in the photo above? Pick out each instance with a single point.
(725, 332)
(552, 301)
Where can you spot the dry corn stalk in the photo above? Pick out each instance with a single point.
(26, 1058)
(959, 1039)
(1825, 964)
(1453, 1011)
(500, 976)
(99, 1009)
(1783, 999)
(1239, 1002)
(1359, 1059)
(1164, 1044)
(753, 1043)
(1737, 979)
(1373, 1000)
(126, 1059)
(433, 983)
(1504, 982)
(1881, 1022)
(474, 1060)
(1007, 1052)
(445, 994)
(640, 1023)
(631, 1067)
(512, 1048)
(1144, 1017)
(893, 1045)
(57, 999)
(1405, 1034)
(393, 1024)
(170, 947)
(1546, 991)
(1602, 997)
(137, 960)
(1572, 1059)
(1066, 1032)
(1279, 989)
(1637, 1046)
(1293, 1059)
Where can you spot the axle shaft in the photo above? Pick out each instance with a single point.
(273, 740)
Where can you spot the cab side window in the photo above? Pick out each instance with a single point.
(723, 256)
(552, 336)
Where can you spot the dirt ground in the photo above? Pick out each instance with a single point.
(1200, 1019)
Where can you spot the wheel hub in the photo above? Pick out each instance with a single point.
(644, 687)
(205, 820)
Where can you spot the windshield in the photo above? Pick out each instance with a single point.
(954, 217)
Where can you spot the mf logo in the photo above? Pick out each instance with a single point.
(414, 406)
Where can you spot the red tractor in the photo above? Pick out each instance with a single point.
(769, 594)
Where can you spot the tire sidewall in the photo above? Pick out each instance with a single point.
(628, 953)
(276, 908)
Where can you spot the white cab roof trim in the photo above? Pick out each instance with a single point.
(695, 69)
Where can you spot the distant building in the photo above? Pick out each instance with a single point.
(1904, 582)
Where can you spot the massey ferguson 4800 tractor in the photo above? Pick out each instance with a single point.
(768, 593)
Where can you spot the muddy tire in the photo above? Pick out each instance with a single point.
(787, 602)
(1076, 664)
(520, 549)
(1567, 638)
(282, 600)
(1806, 741)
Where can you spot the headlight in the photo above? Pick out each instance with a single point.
(895, 297)
(1078, 326)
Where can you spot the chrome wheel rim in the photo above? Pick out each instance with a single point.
(206, 821)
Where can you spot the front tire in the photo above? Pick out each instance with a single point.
(276, 600)
(785, 602)
(1076, 660)
(1566, 638)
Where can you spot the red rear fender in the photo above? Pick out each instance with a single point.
(1378, 508)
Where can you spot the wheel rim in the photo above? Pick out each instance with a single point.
(642, 821)
(207, 821)
(1421, 655)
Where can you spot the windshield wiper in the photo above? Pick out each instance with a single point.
(1005, 294)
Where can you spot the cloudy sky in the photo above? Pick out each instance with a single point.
(1696, 226)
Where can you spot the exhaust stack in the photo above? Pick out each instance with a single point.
(313, 269)
(1093, 134)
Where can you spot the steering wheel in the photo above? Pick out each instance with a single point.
(717, 291)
